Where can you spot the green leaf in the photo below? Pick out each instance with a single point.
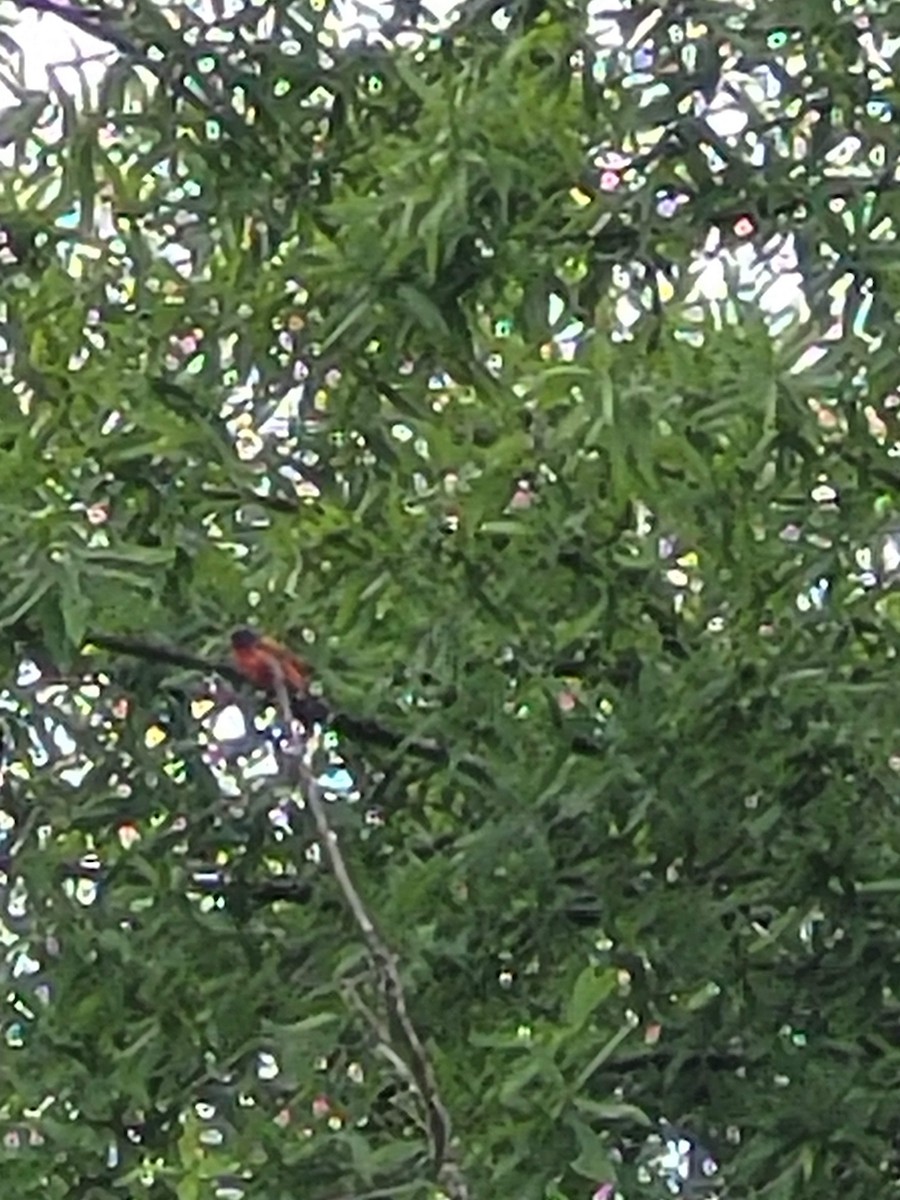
(594, 1161)
(353, 317)
(612, 1111)
(16, 124)
(423, 309)
(74, 607)
(591, 988)
(21, 598)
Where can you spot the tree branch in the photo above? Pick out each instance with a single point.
(162, 652)
(417, 1060)
(310, 710)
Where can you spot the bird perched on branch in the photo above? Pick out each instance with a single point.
(265, 662)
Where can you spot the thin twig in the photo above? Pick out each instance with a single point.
(28, 827)
(418, 1061)
(381, 1032)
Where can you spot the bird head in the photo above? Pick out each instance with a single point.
(244, 639)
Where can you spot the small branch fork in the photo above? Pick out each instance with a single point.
(415, 1065)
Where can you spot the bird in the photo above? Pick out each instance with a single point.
(266, 662)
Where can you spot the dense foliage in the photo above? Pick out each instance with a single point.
(534, 373)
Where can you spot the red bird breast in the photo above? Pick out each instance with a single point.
(264, 661)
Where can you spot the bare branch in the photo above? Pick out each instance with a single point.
(162, 652)
(417, 1059)
(381, 1032)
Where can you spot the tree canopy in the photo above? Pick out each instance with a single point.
(532, 372)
